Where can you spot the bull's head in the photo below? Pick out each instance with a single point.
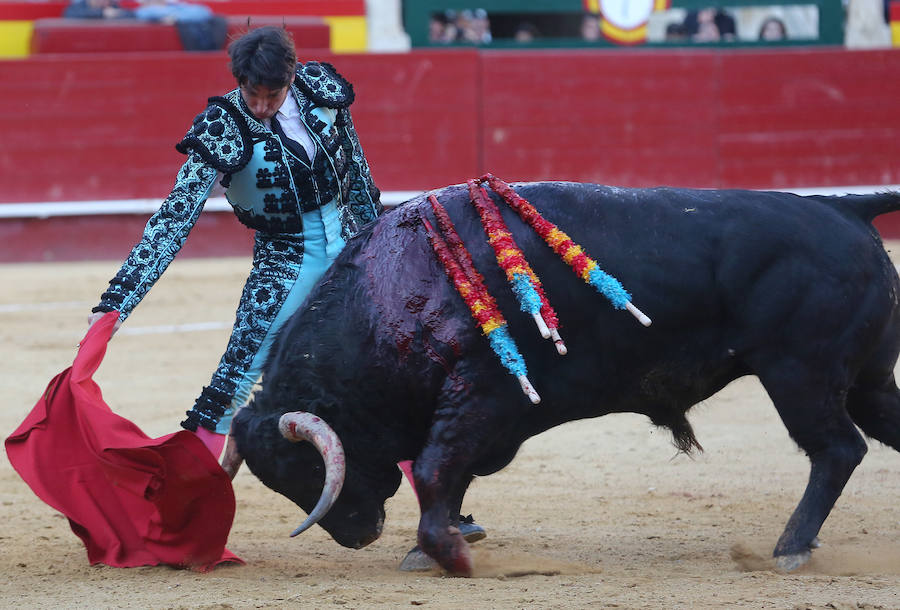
(298, 455)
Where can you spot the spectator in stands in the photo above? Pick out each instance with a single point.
(474, 26)
(710, 25)
(198, 28)
(284, 147)
(590, 27)
(436, 24)
(526, 32)
(96, 9)
(676, 32)
(171, 11)
(443, 28)
(772, 28)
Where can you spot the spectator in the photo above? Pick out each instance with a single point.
(590, 27)
(198, 28)
(444, 26)
(772, 28)
(676, 32)
(96, 9)
(474, 26)
(710, 25)
(171, 12)
(436, 26)
(526, 32)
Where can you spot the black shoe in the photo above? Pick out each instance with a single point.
(471, 531)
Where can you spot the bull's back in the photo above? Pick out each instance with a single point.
(717, 271)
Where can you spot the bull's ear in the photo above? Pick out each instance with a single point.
(301, 426)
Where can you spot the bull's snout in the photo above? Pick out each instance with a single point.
(354, 530)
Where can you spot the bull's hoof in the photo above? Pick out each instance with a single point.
(417, 561)
(789, 563)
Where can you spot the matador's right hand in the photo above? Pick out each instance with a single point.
(92, 319)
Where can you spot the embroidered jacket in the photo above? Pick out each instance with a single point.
(268, 187)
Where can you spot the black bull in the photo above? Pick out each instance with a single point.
(795, 290)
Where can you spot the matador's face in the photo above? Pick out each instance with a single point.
(262, 101)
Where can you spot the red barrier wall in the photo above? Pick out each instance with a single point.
(809, 119)
(628, 118)
(73, 238)
(79, 127)
(748, 119)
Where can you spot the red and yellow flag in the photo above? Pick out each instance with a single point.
(625, 21)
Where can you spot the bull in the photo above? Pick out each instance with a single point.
(384, 362)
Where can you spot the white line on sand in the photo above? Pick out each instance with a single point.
(19, 307)
(174, 328)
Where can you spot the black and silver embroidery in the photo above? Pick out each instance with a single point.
(321, 82)
(276, 266)
(162, 239)
(222, 138)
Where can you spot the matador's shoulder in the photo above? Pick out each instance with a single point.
(320, 82)
(220, 135)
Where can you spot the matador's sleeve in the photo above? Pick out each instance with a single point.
(365, 198)
(163, 237)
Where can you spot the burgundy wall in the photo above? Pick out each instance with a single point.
(96, 126)
(752, 119)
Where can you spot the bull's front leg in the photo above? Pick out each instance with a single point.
(438, 476)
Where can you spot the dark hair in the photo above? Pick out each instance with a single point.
(528, 28)
(781, 27)
(263, 56)
(725, 23)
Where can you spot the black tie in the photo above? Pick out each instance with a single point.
(293, 145)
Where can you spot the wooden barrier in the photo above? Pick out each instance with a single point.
(103, 126)
(751, 119)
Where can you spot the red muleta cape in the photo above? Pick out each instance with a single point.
(133, 500)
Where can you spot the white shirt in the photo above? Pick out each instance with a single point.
(288, 116)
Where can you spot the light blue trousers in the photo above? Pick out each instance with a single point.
(322, 242)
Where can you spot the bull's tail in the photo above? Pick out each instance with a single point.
(867, 207)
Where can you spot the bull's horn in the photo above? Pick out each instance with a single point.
(301, 426)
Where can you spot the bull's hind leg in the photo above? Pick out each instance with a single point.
(811, 405)
(876, 410)
(874, 400)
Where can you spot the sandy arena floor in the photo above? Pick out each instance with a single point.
(602, 513)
